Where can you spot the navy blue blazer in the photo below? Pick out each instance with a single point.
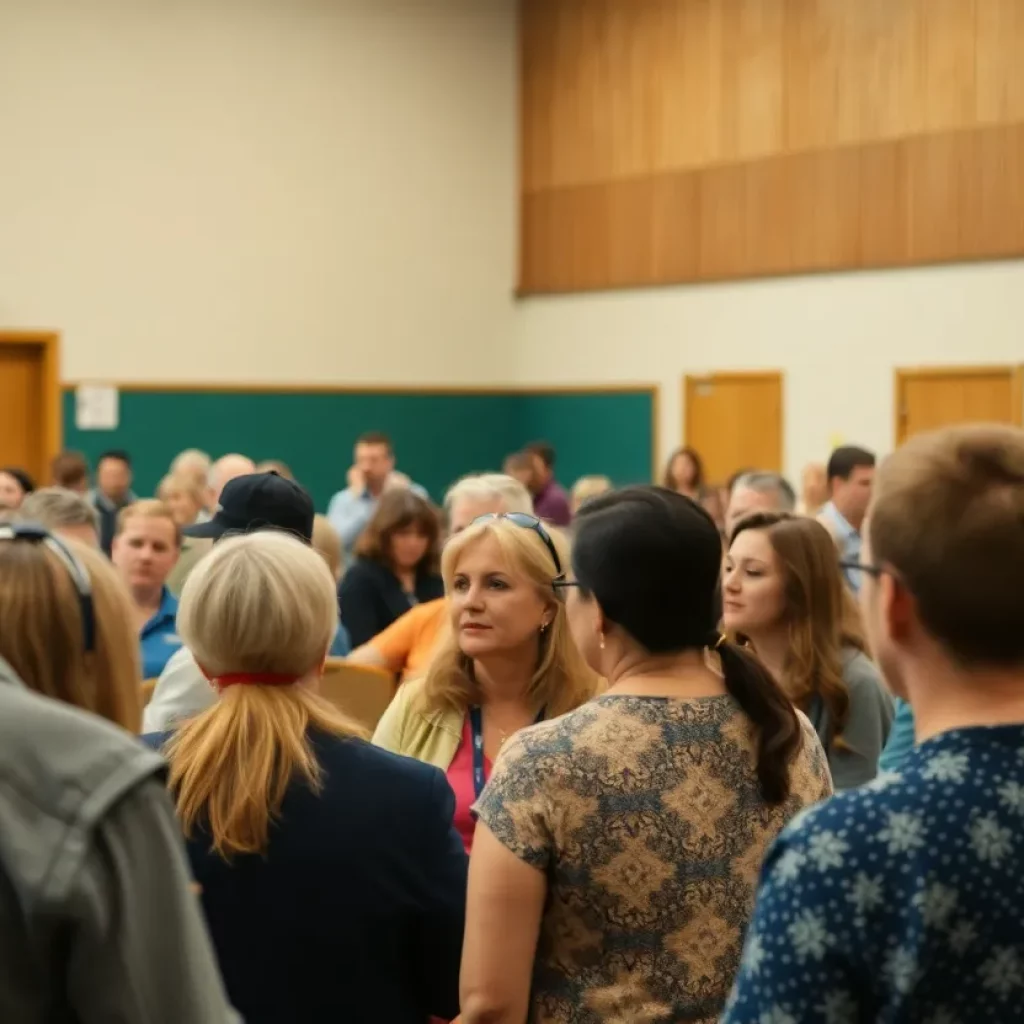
(356, 911)
(370, 598)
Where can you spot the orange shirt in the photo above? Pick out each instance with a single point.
(408, 643)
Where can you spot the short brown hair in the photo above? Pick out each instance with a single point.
(397, 509)
(948, 520)
(151, 508)
(69, 470)
(375, 437)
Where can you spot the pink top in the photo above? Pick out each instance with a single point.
(460, 778)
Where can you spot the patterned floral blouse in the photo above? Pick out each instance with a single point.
(901, 901)
(646, 817)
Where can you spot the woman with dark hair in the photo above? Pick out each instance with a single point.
(785, 597)
(684, 473)
(397, 568)
(15, 486)
(617, 847)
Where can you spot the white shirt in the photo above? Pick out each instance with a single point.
(181, 692)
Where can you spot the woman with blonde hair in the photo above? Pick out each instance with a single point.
(183, 494)
(65, 624)
(784, 595)
(509, 660)
(332, 879)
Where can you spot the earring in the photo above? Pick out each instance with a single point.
(543, 627)
(601, 641)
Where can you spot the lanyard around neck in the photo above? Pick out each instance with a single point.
(476, 725)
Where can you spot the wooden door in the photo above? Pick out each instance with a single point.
(928, 399)
(29, 402)
(734, 421)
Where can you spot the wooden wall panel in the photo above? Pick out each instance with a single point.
(678, 140)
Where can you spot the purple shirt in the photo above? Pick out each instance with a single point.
(552, 503)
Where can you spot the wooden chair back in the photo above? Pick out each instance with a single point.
(363, 693)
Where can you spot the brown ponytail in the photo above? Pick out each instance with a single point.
(780, 737)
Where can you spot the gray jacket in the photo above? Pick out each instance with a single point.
(97, 921)
(854, 761)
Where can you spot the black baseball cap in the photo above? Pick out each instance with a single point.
(259, 501)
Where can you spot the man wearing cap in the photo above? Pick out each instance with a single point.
(257, 501)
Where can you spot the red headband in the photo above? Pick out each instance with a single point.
(256, 679)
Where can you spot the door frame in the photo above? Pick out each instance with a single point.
(48, 343)
(902, 374)
(692, 381)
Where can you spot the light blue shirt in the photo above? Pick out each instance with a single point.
(849, 541)
(159, 637)
(901, 739)
(350, 510)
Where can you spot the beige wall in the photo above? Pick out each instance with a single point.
(260, 190)
(837, 338)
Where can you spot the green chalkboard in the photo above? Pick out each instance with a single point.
(437, 437)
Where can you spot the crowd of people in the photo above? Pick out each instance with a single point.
(684, 752)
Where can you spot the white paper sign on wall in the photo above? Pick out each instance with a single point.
(97, 407)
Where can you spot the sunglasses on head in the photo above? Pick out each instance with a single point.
(528, 522)
(36, 534)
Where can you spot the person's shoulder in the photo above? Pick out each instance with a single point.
(545, 743)
(410, 701)
(156, 740)
(862, 816)
(353, 761)
(859, 669)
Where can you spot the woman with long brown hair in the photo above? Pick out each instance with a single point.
(66, 624)
(784, 595)
(684, 473)
(507, 661)
(332, 879)
(396, 567)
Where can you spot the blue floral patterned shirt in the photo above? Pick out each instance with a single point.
(900, 901)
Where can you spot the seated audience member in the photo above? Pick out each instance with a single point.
(550, 501)
(192, 464)
(851, 472)
(97, 921)
(15, 486)
(783, 594)
(507, 662)
(224, 470)
(66, 514)
(65, 625)
(408, 644)
(618, 846)
(113, 492)
(262, 501)
(183, 495)
(70, 470)
(813, 489)
(521, 466)
(684, 473)
(327, 544)
(275, 466)
(397, 567)
(587, 488)
(332, 879)
(145, 549)
(351, 510)
(757, 492)
(902, 901)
